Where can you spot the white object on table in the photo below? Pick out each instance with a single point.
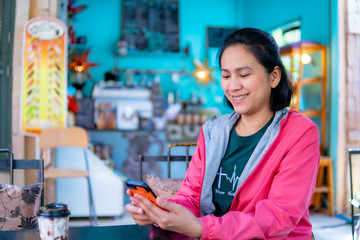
(108, 188)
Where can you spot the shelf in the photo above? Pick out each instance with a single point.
(301, 47)
(322, 190)
(312, 113)
(308, 81)
(147, 54)
(123, 130)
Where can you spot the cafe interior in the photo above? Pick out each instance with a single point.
(106, 84)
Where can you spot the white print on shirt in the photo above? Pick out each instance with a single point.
(217, 191)
(231, 193)
(233, 180)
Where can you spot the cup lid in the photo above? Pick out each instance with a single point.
(53, 210)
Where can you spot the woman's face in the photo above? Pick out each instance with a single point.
(245, 81)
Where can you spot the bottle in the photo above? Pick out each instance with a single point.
(181, 116)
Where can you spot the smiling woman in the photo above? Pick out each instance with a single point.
(246, 163)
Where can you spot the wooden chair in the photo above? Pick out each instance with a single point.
(50, 139)
(167, 158)
(353, 202)
(11, 164)
(19, 203)
(324, 187)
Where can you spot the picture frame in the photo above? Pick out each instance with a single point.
(151, 26)
(215, 36)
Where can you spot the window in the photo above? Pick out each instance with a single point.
(287, 34)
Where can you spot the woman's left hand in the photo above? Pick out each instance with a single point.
(177, 218)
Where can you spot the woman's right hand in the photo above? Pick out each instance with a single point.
(137, 213)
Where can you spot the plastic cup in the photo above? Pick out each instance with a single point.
(53, 221)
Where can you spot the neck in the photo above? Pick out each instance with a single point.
(248, 125)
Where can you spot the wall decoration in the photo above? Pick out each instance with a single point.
(85, 115)
(182, 133)
(105, 115)
(203, 72)
(72, 10)
(149, 25)
(80, 63)
(140, 144)
(44, 75)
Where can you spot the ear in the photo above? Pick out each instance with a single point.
(275, 77)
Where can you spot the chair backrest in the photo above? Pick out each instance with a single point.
(11, 164)
(167, 158)
(63, 137)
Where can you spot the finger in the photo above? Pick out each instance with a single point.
(133, 209)
(140, 222)
(129, 193)
(140, 217)
(134, 201)
(147, 206)
(171, 207)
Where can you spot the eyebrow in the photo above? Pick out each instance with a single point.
(238, 69)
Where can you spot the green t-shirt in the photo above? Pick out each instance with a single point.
(232, 165)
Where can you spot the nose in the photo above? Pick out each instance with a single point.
(235, 83)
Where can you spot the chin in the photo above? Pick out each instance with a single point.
(240, 110)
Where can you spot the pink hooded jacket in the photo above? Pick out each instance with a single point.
(274, 191)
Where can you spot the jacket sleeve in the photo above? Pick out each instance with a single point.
(288, 199)
(189, 193)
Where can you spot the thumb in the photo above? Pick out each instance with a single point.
(163, 203)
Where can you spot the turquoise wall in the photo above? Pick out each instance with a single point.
(100, 22)
(267, 15)
(194, 16)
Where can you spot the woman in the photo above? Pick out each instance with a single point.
(254, 171)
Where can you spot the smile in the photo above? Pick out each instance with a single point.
(240, 97)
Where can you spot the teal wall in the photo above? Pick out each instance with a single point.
(100, 22)
(267, 15)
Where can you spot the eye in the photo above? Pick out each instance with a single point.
(244, 75)
(225, 76)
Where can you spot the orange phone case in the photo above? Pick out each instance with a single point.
(141, 188)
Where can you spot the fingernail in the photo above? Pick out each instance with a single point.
(139, 211)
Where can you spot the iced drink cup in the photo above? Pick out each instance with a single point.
(53, 221)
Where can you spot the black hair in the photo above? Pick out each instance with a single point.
(264, 48)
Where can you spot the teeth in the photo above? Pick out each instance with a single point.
(240, 98)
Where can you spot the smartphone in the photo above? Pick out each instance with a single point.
(141, 188)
